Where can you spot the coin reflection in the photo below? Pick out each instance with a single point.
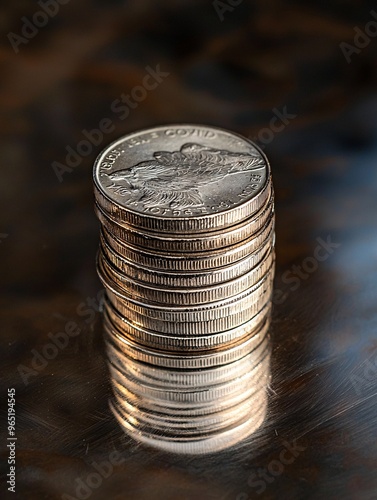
(166, 401)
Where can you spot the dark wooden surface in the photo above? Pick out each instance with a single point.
(233, 74)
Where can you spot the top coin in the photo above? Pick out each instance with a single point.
(182, 178)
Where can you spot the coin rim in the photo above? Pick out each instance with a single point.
(204, 242)
(193, 342)
(200, 222)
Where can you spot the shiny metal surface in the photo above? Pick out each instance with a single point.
(214, 182)
(257, 62)
(198, 341)
(191, 411)
(223, 315)
(117, 345)
(175, 243)
(197, 261)
(151, 205)
(175, 379)
(195, 445)
(185, 295)
(146, 275)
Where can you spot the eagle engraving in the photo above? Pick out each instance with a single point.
(173, 179)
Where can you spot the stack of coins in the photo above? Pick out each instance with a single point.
(187, 261)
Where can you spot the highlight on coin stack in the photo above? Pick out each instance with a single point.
(187, 260)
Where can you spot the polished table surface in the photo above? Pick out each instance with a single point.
(234, 67)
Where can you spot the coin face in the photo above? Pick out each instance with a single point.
(181, 177)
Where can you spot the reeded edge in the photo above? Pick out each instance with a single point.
(196, 343)
(188, 361)
(186, 296)
(186, 397)
(211, 321)
(118, 291)
(125, 372)
(264, 210)
(193, 262)
(146, 275)
(190, 243)
(175, 379)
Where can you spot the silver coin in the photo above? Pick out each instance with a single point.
(180, 312)
(184, 296)
(194, 261)
(181, 178)
(188, 243)
(186, 279)
(128, 289)
(119, 346)
(219, 316)
(195, 322)
(121, 349)
(184, 343)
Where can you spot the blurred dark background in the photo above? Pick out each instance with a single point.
(307, 68)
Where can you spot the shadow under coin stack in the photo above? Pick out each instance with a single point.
(187, 260)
